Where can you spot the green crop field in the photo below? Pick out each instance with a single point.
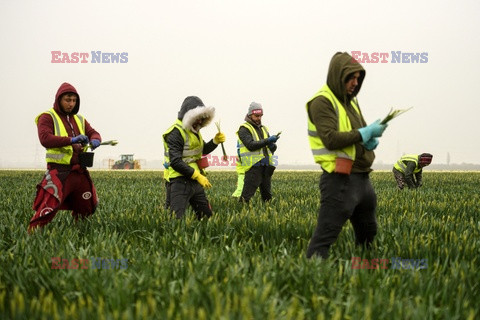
(246, 262)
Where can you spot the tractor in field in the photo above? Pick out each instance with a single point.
(126, 162)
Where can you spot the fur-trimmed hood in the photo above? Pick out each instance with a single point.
(193, 109)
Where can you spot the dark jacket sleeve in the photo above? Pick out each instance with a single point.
(247, 139)
(324, 117)
(409, 174)
(209, 147)
(175, 149)
(418, 177)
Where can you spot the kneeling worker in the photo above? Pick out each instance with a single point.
(408, 170)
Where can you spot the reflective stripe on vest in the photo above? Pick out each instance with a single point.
(192, 148)
(401, 166)
(249, 158)
(323, 156)
(61, 155)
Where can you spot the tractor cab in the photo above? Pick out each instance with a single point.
(126, 157)
(126, 162)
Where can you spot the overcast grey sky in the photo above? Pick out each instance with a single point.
(230, 53)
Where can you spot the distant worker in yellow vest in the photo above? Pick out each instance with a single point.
(256, 161)
(343, 144)
(408, 170)
(66, 184)
(184, 147)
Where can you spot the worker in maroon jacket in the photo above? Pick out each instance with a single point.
(67, 184)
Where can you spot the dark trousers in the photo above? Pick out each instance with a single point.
(184, 191)
(400, 178)
(167, 194)
(258, 176)
(344, 197)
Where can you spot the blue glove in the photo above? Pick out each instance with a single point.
(372, 131)
(95, 143)
(80, 139)
(371, 144)
(272, 147)
(272, 139)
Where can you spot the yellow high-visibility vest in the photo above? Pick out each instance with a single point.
(401, 166)
(249, 158)
(61, 155)
(323, 156)
(192, 149)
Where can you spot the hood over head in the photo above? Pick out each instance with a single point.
(341, 66)
(425, 159)
(66, 88)
(192, 110)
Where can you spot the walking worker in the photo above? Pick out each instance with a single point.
(67, 184)
(408, 170)
(343, 145)
(256, 155)
(184, 147)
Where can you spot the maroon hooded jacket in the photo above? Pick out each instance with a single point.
(46, 130)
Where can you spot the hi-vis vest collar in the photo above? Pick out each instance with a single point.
(249, 158)
(322, 155)
(61, 155)
(192, 148)
(401, 166)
